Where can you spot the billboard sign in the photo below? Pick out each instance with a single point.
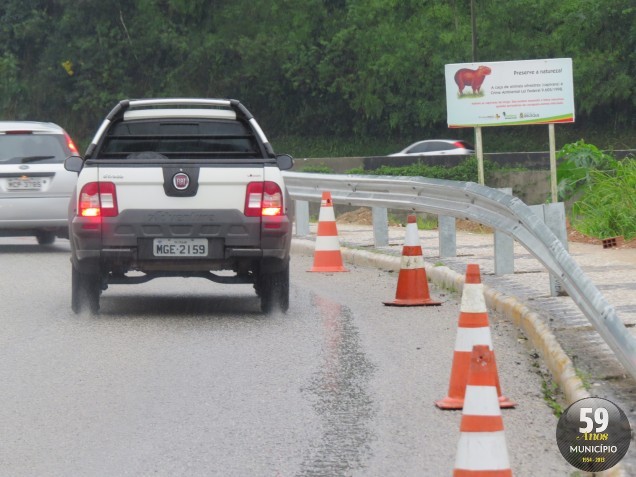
(508, 93)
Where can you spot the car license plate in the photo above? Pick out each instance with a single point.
(171, 247)
(24, 184)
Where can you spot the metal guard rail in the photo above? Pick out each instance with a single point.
(491, 207)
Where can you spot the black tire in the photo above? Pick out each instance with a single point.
(273, 289)
(85, 291)
(45, 237)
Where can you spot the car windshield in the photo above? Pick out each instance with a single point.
(24, 148)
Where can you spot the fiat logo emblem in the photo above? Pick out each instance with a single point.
(181, 181)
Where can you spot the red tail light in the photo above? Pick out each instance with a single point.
(263, 199)
(98, 199)
(71, 144)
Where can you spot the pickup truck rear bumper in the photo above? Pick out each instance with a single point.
(126, 241)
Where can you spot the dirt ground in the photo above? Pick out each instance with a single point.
(362, 216)
(576, 236)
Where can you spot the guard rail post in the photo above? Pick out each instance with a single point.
(504, 248)
(302, 218)
(380, 226)
(553, 215)
(447, 236)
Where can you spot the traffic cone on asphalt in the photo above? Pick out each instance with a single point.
(327, 256)
(482, 448)
(473, 330)
(412, 286)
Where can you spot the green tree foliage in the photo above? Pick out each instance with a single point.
(601, 37)
(306, 67)
(387, 62)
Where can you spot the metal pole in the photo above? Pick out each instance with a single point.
(553, 173)
(480, 155)
(478, 144)
(473, 22)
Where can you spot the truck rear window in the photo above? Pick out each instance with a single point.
(180, 139)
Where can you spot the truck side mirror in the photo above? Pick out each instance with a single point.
(74, 164)
(284, 161)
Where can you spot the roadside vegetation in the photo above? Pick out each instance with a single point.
(326, 78)
(336, 78)
(495, 139)
(464, 171)
(600, 189)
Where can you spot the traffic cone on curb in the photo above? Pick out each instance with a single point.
(412, 286)
(482, 448)
(327, 256)
(473, 329)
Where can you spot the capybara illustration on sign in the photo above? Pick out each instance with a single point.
(473, 78)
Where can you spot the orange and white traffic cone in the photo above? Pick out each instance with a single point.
(473, 329)
(412, 286)
(327, 256)
(482, 448)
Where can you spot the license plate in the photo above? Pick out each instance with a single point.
(170, 247)
(24, 184)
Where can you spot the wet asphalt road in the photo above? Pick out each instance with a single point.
(184, 377)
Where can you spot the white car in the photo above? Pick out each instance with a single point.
(35, 189)
(437, 147)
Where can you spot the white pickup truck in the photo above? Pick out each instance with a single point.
(180, 187)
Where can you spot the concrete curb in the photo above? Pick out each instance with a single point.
(542, 339)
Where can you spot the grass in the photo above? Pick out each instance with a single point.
(608, 205)
(394, 219)
(428, 223)
(585, 378)
(470, 95)
(550, 391)
(322, 169)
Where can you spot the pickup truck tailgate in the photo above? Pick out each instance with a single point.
(219, 188)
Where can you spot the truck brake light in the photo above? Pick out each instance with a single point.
(263, 199)
(98, 199)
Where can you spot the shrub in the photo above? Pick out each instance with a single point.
(576, 162)
(465, 171)
(608, 205)
(318, 169)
